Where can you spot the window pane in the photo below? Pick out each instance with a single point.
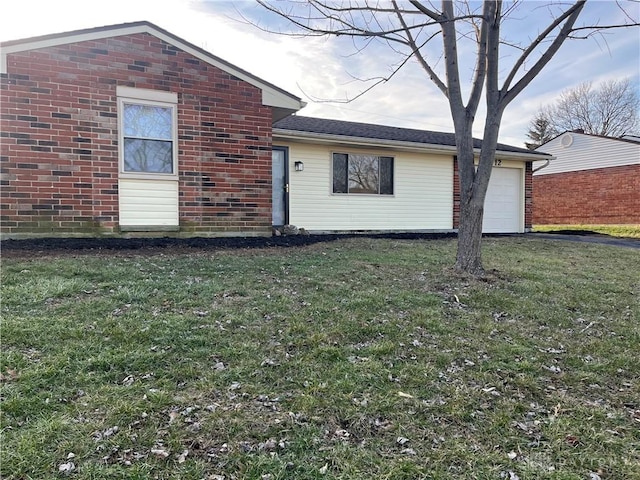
(363, 174)
(154, 156)
(339, 173)
(147, 121)
(386, 175)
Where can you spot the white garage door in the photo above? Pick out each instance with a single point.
(502, 206)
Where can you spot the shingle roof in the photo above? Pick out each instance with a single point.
(379, 132)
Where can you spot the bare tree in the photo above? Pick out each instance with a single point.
(610, 109)
(411, 28)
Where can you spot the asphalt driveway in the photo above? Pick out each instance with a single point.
(589, 238)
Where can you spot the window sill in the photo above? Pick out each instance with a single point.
(356, 195)
(149, 176)
(149, 228)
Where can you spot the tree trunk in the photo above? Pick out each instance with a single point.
(474, 182)
(468, 257)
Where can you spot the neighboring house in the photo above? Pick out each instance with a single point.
(129, 130)
(592, 180)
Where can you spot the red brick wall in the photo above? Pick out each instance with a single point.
(528, 196)
(600, 196)
(59, 139)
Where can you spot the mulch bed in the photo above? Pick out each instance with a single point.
(62, 246)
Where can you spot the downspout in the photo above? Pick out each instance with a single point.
(547, 162)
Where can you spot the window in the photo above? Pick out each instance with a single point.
(355, 173)
(147, 131)
(148, 138)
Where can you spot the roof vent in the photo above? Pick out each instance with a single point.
(566, 140)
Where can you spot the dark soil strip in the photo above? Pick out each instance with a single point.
(96, 245)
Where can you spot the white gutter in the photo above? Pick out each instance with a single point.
(546, 164)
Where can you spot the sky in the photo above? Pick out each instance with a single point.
(327, 72)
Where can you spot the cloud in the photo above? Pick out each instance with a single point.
(318, 68)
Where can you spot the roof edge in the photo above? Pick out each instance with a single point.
(595, 135)
(272, 95)
(415, 146)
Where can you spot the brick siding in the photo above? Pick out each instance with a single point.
(589, 197)
(528, 196)
(59, 139)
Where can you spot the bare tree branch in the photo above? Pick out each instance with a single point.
(428, 12)
(481, 62)
(611, 109)
(539, 39)
(571, 15)
(451, 56)
(347, 28)
(418, 54)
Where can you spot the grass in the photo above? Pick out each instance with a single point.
(623, 231)
(355, 359)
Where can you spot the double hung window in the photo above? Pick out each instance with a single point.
(148, 133)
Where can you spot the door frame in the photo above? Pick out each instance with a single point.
(285, 197)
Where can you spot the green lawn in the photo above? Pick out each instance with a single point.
(354, 359)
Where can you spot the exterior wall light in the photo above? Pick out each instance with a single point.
(299, 166)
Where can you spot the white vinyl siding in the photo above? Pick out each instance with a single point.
(422, 198)
(576, 151)
(148, 203)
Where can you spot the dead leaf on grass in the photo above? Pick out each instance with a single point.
(183, 456)
(66, 468)
(509, 475)
(572, 440)
(172, 416)
(10, 376)
(160, 452)
(105, 433)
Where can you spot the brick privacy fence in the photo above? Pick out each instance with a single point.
(600, 196)
(59, 139)
(528, 202)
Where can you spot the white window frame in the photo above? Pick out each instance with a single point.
(141, 96)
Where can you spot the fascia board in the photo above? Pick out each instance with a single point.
(271, 95)
(399, 145)
(56, 40)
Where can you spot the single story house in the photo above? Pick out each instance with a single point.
(592, 180)
(347, 176)
(128, 130)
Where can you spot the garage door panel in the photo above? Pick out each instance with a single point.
(502, 207)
